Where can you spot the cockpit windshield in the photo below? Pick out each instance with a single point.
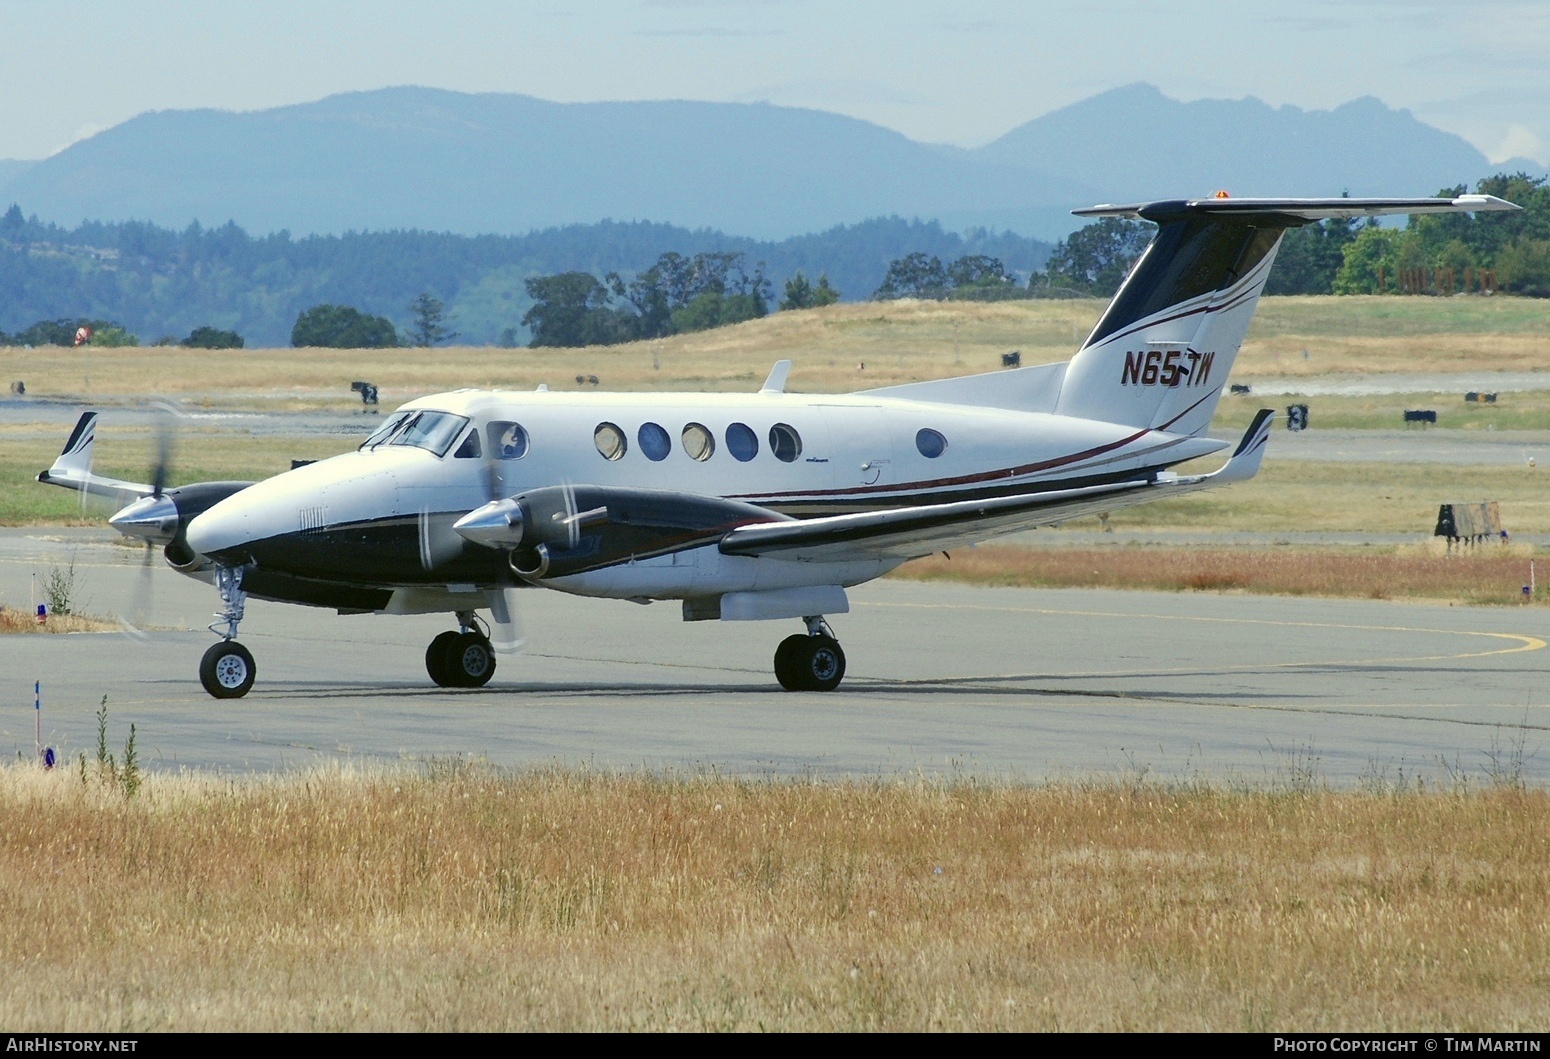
(432, 431)
(381, 434)
(424, 429)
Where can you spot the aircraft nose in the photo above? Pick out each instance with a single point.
(217, 530)
(151, 518)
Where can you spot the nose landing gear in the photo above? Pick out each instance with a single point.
(227, 669)
(811, 662)
(462, 659)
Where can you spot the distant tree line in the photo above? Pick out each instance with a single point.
(678, 294)
(1093, 260)
(1433, 254)
(160, 281)
(64, 332)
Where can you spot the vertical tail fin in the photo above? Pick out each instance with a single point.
(1159, 356)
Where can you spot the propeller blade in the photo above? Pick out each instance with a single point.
(138, 621)
(166, 414)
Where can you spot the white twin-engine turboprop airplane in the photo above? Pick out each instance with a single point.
(744, 507)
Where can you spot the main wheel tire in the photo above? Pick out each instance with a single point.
(436, 659)
(469, 661)
(227, 670)
(788, 662)
(823, 664)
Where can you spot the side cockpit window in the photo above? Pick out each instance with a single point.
(508, 440)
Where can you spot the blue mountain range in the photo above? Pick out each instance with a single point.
(429, 159)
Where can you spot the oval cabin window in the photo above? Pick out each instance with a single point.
(654, 442)
(699, 442)
(785, 442)
(742, 442)
(609, 440)
(930, 443)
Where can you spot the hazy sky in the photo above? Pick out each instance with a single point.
(960, 72)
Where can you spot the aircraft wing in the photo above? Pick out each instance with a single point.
(911, 532)
(72, 467)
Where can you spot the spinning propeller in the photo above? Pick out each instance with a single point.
(440, 542)
(155, 519)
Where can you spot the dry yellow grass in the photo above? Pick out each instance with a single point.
(467, 899)
(896, 341)
(13, 621)
(1490, 574)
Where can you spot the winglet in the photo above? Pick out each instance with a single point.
(72, 467)
(776, 383)
(1245, 460)
(74, 461)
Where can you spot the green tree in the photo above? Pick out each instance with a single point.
(1310, 256)
(429, 321)
(823, 294)
(916, 275)
(572, 309)
(1373, 248)
(980, 277)
(1096, 257)
(800, 294)
(681, 293)
(62, 332)
(342, 327)
(1523, 267)
(212, 338)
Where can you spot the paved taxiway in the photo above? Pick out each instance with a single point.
(942, 679)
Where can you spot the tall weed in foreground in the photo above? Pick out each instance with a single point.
(125, 776)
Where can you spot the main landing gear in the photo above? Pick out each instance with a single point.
(227, 669)
(811, 662)
(462, 659)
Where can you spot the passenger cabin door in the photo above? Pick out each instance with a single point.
(861, 445)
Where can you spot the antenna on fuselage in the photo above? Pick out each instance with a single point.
(776, 383)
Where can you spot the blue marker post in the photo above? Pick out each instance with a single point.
(45, 754)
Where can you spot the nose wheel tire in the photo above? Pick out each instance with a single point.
(467, 660)
(436, 659)
(227, 670)
(809, 663)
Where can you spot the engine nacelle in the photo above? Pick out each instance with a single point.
(559, 530)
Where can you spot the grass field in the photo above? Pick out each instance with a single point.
(895, 341)
(1487, 575)
(462, 898)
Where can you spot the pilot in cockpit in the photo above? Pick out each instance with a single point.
(510, 447)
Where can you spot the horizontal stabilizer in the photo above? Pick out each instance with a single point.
(1295, 211)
